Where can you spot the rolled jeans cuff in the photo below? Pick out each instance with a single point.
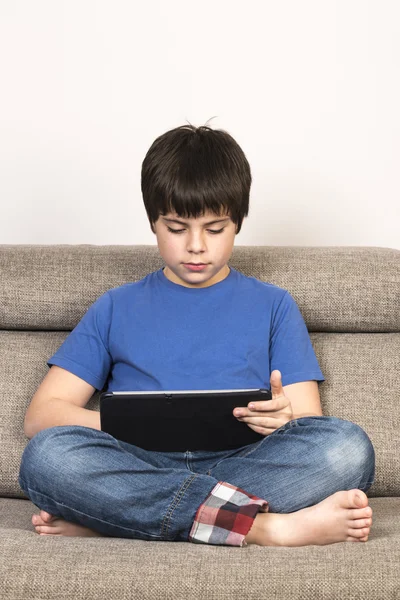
(226, 516)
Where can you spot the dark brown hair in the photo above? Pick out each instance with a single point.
(190, 170)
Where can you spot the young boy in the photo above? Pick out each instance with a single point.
(196, 324)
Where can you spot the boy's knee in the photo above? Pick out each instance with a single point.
(44, 451)
(350, 451)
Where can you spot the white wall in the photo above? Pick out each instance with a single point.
(309, 89)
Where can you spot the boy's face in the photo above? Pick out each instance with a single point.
(195, 242)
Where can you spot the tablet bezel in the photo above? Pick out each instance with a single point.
(170, 420)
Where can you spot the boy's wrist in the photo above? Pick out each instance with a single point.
(305, 415)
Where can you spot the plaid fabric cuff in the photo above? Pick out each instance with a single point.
(226, 516)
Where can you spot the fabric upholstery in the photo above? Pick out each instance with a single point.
(78, 568)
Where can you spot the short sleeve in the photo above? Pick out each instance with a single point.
(291, 350)
(85, 352)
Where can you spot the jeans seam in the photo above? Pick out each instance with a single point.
(233, 454)
(174, 504)
(292, 423)
(252, 449)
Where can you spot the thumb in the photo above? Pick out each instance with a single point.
(276, 383)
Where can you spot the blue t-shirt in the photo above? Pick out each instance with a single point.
(155, 334)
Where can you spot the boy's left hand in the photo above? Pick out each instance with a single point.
(267, 415)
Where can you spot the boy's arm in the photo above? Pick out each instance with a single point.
(304, 398)
(59, 400)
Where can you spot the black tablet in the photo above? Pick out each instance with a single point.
(179, 420)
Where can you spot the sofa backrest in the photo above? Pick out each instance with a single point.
(349, 298)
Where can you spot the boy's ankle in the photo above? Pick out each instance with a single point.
(265, 530)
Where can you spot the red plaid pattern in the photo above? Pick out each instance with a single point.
(226, 516)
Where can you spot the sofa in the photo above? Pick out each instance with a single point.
(350, 300)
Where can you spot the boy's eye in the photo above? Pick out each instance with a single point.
(209, 230)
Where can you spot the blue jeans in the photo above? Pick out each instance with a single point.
(88, 477)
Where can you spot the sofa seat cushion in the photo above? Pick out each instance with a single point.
(50, 567)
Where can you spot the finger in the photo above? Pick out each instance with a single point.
(279, 403)
(261, 422)
(263, 405)
(261, 430)
(255, 412)
(276, 384)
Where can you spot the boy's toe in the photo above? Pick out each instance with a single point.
(357, 498)
(46, 517)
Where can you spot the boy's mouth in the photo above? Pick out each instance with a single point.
(195, 266)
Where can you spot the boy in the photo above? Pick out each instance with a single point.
(196, 324)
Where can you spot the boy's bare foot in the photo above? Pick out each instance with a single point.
(47, 524)
(343, 517)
